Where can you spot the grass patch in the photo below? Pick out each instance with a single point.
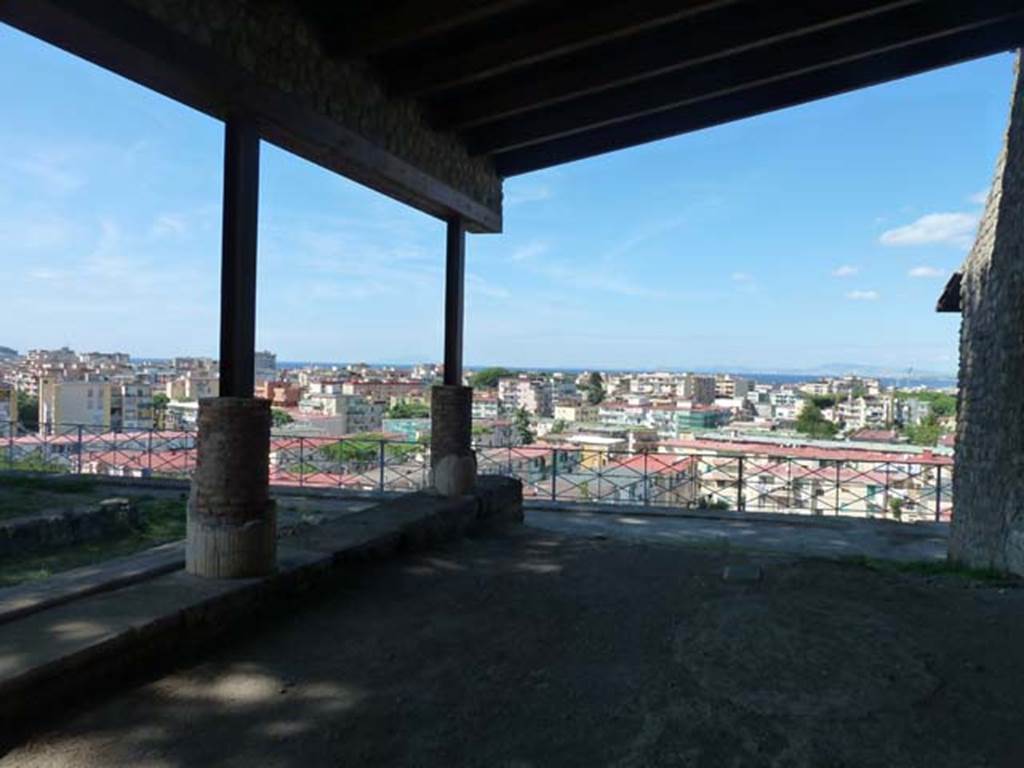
(935, 568)
(162, 520)
(23, 496)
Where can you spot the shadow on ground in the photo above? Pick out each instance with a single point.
(534, 650)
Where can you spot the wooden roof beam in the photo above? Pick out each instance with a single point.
(373, 27)
(800, 89)
(713, 36)
(538, 34)
(831, 46)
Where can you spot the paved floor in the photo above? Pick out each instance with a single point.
(797, 535)
(540, 649)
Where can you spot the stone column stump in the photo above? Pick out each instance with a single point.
(232, 526)
(452, 460)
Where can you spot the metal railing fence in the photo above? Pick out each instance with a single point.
(901, 488)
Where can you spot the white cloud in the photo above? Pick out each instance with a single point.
(742, 277)
(846, 270)
(924, 271)
(529, 251)
(50, 171)
(525, 192)
(955, 229)
(862, 295)
(168, 224)
(979, 198)
(43, 232)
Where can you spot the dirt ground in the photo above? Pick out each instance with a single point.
(535, 649)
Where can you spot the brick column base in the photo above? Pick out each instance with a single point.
(452, 460)
(232, 526)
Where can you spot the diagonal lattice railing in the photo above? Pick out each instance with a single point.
(908, 488)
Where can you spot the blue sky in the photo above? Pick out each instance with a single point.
(814, 235)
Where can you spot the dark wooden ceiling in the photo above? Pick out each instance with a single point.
(536, 83)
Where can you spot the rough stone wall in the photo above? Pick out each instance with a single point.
(451, 422)
(277, 45)
(46, 532)
(988, 483)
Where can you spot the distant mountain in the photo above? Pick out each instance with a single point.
(8, 352)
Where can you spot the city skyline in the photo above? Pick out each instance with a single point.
(665, 256)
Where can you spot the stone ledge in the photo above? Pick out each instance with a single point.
(93, 645)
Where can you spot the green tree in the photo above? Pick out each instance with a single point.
(824, 401)
(896, 506)
(408, 410)
(927, 432)
(942, 404)
(279, 417)
(812, 422)
(521, 424)
(28, 411)
(487, 378)
(160, 401)
(361, 447)
(595, 388)
(559, 426)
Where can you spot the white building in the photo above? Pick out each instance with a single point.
(699, 390)
(66, 405)
(131, 406)
(730, 387)
(340, 414)
(531, 393)
(860, 412)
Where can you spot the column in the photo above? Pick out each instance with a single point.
(452, 461)
(232, 531)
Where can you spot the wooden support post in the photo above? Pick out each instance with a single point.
(238, 258)
(454, 301)
(231, 520)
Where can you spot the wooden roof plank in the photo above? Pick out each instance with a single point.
(553, 30)
(828, 47)
(713, 36)
(891, 65)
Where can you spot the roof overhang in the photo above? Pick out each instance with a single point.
(435, 102)
(949, 301)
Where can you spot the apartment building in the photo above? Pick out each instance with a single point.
(64, 405)
(387, 389)
(699, 390)
(281, 394)
(530, 393)
(730, 387)
(575, 411)
(131, 406)
(701, 417)
(265, 366)
(342, 414)
(192, 386)
(485, 405)
(860, 412)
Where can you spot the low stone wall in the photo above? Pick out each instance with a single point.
(40, 533)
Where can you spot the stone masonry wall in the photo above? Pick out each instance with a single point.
(272, 41)
(988, 483)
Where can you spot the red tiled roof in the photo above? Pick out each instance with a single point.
(808, 452)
